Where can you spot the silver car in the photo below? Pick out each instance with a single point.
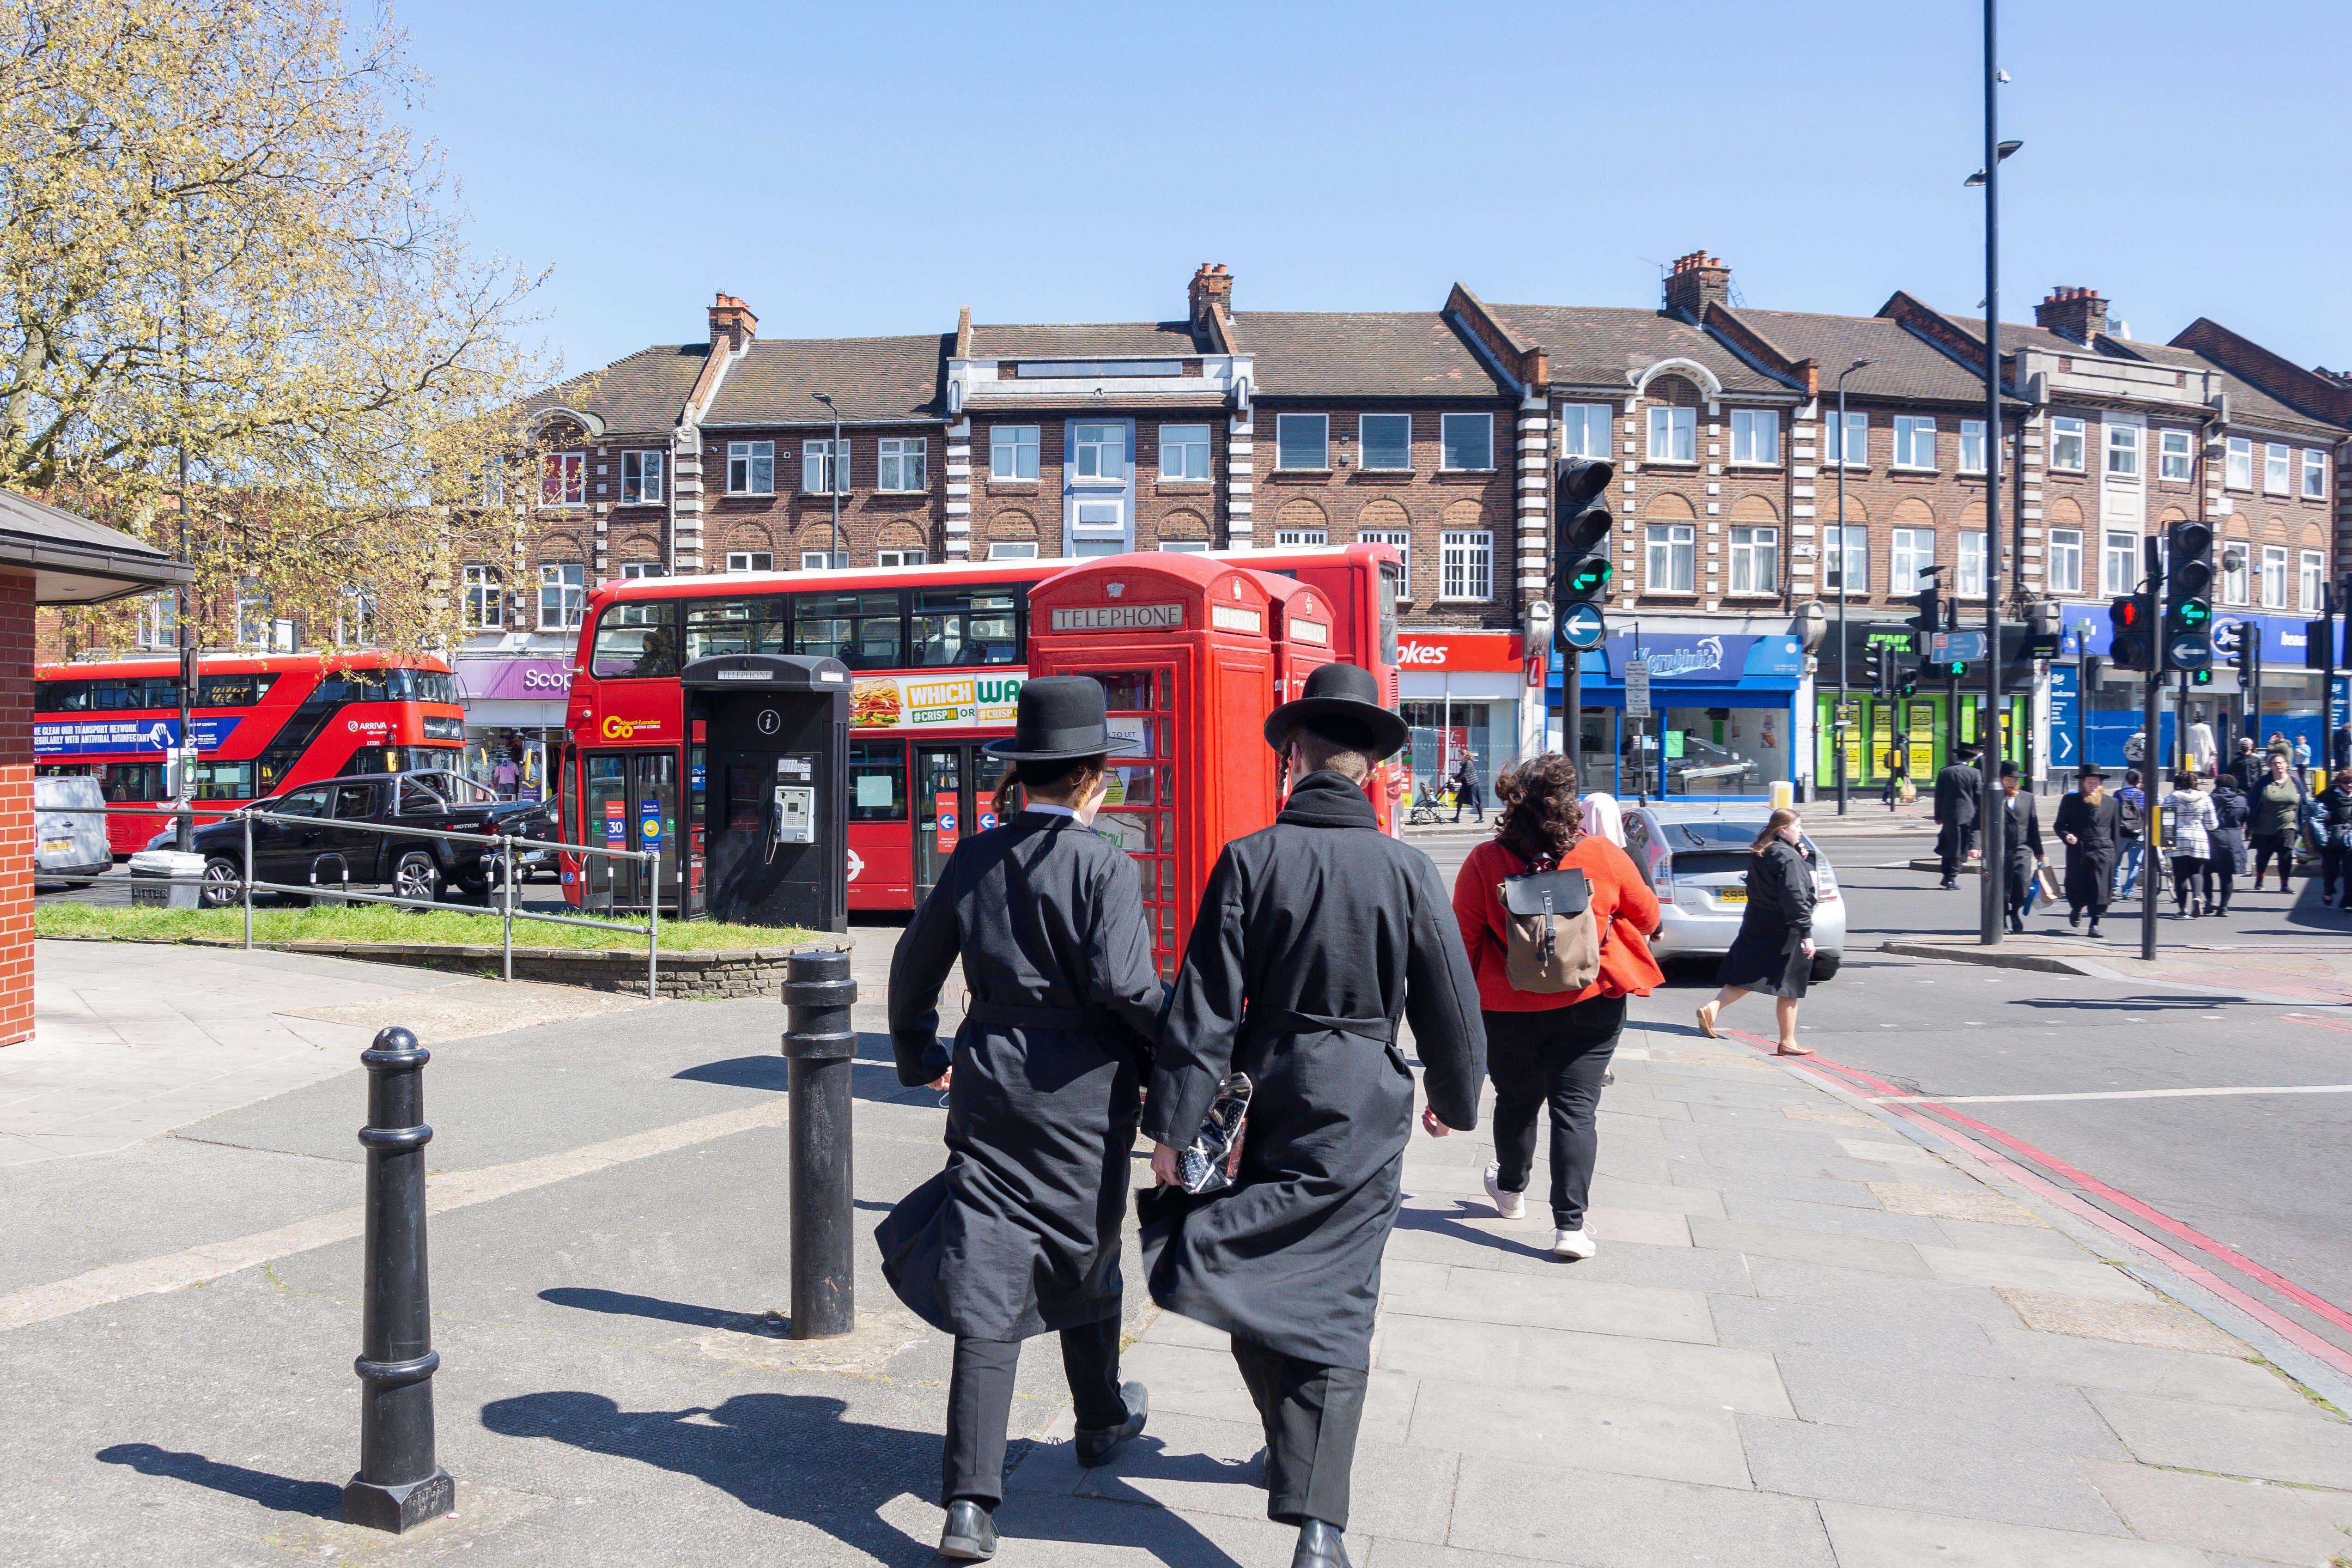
(1697, 859)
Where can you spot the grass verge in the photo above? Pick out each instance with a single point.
(379, 922)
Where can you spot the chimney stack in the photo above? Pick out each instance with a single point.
(2076, 313)
(1809, 371)
(1698, 281)
(1212, 285)
(731, 324)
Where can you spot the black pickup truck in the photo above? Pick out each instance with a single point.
(327, 853)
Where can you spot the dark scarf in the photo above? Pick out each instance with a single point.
(1328, 799)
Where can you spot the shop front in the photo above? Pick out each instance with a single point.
(1461, 694)
(1914, 736)
(514, 718)
(2112, 713)
(1722, 722)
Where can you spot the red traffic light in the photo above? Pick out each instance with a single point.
(2124, 613)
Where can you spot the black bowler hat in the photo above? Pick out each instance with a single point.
(2009, 769)
(1058, 717)
(1343, 705)
(2090, 771)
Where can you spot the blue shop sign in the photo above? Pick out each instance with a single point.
(90, 737)
(1774, 663)
(2087, 630)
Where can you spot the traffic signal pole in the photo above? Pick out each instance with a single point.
(1992, 819)
(2152, 700)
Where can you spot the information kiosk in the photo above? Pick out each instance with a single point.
(768, 767)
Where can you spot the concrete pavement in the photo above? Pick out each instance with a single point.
(1816, 1334)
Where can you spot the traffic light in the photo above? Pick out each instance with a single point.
(2318, 639)
(2239, 644)
(1876, 666)
(2187, 596)
(2134, 643)
(1930, 618)
(1910, 685)
(1580, 564)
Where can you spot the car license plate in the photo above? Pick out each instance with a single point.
(56, 846)
(1730, 895)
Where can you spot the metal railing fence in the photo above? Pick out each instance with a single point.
(247, 884)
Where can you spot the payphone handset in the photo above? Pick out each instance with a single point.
(792, 815)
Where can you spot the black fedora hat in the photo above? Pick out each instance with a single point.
(1342, 704)
(1057, 718)
(2090, 771)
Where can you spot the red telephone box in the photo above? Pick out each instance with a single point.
(1185, 647)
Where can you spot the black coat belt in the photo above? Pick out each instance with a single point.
(1263, 1022)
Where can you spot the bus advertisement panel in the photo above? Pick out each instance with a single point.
(261, 724)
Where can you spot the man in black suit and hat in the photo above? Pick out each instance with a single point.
(1957, 789)
(1020, 1235)
(1314, 936)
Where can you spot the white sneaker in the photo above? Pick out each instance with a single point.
(1510, 1206)
(1573, 1244)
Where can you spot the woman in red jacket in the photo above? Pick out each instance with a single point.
(1551, 1049)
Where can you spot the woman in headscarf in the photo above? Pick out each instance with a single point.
(1602, 819)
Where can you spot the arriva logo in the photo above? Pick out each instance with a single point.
(619, 729)
(1420, 653)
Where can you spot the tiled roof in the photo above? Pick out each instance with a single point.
(1604, 347)
(1084, 340)
(1362, 353)
(1903, 364)
(2247, 400)
(871, 380)
(644, 393)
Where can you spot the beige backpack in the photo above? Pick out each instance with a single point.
(1554, 943)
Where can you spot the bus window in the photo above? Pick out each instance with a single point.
(865, 631)
(131, 781)
(233, 691)
(634, 641)
(225, 780)
(1391, 587)
(975, 625)
(878, 782)
(734, 626)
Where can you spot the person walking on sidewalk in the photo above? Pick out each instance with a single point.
(2248, 767)
(2193, 820)
(2131, 832)
(2087, 821)
(1551, 1049)
(2334, 827)
(1466, 789)
(1313, 937)
(1957, 789)
(1773, 952)
(1019, 1236)
(2276, 811)
(2021, 846)
(2229, 839)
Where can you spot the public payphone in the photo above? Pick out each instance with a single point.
(1184, 646)
(769, 755)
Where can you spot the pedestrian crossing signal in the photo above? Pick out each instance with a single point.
(2134, 639)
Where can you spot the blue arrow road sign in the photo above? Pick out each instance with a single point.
(1583, 626)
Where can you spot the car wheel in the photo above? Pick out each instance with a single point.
(1825, 966)
(221, 880)
(417, 876)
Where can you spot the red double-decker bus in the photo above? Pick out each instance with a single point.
(937, 655)
(263, 722)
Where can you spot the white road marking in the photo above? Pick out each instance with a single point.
(2111, 1094)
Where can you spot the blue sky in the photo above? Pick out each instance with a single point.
(867, 169)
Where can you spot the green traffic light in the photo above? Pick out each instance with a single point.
(1590, 576)
(2201, 678)
(2193, 612)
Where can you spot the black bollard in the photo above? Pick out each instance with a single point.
(820, 1042)
(398, 1485)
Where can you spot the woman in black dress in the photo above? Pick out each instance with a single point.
(1773, 952)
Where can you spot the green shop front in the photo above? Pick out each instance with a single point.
(1722, 719)
(1915, 733)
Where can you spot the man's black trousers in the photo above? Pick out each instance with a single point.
(980, 1402)
(1310, 1414)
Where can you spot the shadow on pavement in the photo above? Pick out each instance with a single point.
(2146, 1004)
(621, 1303)
(794, 1457)
(322, 1499)
(872, 1075)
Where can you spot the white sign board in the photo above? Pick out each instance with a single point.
(1637, 688)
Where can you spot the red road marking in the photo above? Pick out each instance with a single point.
(2294, 1332)
(2307, 1018)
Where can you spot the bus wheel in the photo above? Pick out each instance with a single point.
(221, 877)
(416, 876)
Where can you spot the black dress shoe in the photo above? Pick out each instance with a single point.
(1098, 1443)
(1947, 886)
(1319, 1546)
(971, 1533)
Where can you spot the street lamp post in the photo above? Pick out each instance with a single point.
(1837, 726)
(1993, 813)
(832, 478)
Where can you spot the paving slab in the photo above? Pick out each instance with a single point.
(2308, 1446)
(1803, 1245)
(1872, 1537)
(2270, 1524)
(2170, 1373)
(1566, 1515)
(1590, 1432)
(1561, 1302)
(1930, 1468)
(2165, 1325)
(1833, 1391)
(1512, 1356)
(2061, 1277)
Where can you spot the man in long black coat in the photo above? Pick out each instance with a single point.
(1020, 1234)
(2089, 821)
(1314, 936)
(2021, 844)
(1957, 791)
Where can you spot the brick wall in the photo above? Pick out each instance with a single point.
(17, 651)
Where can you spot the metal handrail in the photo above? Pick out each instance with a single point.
(506, 913)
